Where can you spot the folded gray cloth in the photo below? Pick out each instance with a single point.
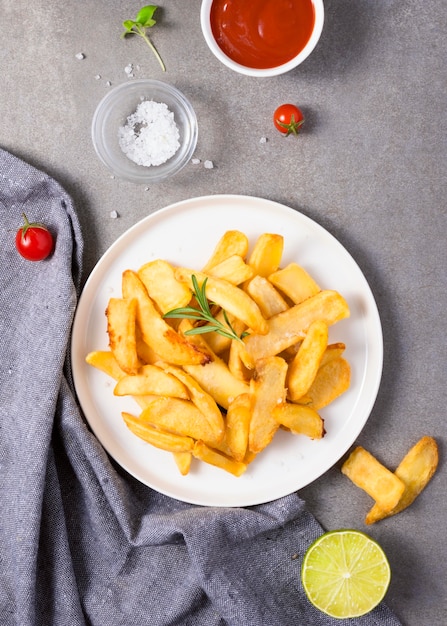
(82, 542)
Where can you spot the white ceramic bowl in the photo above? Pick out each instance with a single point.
(250, 71)
(112, 113)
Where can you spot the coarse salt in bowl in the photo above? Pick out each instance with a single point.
(144, 131)
(262, 38)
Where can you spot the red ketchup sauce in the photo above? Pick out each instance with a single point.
(262, 33)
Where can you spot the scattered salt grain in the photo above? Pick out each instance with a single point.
(150, 136)
(113, 214)
(195, 161)
(98, 77)
(80, 56)
(208, 165)
(263, 140)
(129, 70)
(108, 83)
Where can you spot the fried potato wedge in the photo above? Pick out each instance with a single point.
(268, 299)
(180, 417)
(121, 320)
(201, 398)
(152, 380)
(235, 358)
(266, 254)
(365, 471)
(163, 288)
(238, 426)
(233, 269)
(300, 420)
(231, 298)
(294, 282)
(217, 380)
(156, 437)
(331, 381)
(105, 361)
(146, 354)
(288, 327)
(232, 242)
(267, 390)
(333, 351)
(304, 367)
(164, 340)
(213, 457)
(415, 471)
(183, 461)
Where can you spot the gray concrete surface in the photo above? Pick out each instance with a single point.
(369, 167)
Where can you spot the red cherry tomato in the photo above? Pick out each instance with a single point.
(34, 241)
(288, 119)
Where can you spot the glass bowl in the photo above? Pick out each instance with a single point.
(112, 113)
(207, 31)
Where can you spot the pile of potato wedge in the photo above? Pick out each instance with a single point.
(217, 398)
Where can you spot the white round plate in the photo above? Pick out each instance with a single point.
(186, 233)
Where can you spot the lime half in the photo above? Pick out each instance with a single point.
(345, 573)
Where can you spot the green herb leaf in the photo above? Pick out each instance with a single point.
(144, 16)
(128, 25)
(204, 314)
(138, 27)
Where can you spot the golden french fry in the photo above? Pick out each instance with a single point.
(146, 354)
(300, 420)
(267, 253)
(268, 299)
(105, 361)
(164, 340)
(180, 417)
(294, 282)
(332, 380)
(231, 298)
(304, 367)
(267, 389)
(233, 269)
(415, 471)
(285, 329)
(333, 351)
(162, 286)
(183, 461)
(236, 362)
(151, 380)
(215, 378)
(235, 355)
(250, 457)
(202, 399)
(213, 457)
(365, 471)
(232, 242)
(121, 316)
(159, 439)
(238, 426)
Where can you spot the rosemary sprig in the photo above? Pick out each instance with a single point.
(204, 314)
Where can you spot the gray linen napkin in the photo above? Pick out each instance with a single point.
(81, 542)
